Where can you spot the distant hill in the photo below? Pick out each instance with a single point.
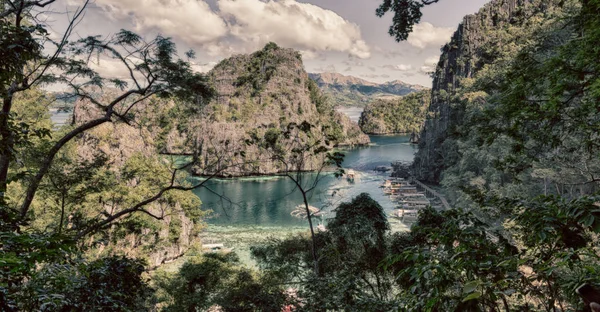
(353, 91)
(402, 115)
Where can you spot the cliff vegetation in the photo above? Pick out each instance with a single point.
(404, 115)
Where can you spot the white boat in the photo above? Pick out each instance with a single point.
(210, 248)
(350, 175)
(386, 184)
(300, 211)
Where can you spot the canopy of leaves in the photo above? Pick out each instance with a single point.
(404, 115)
(407, 13)
(218, 280)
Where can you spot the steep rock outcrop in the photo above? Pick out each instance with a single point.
(481, 39)
(268, 89)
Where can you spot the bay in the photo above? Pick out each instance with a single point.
(269, 201)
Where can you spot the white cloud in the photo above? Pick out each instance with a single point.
(203, 68)
(242, 26)
(426, 35)
(427, 69)
(433, 60)
(353, 61)
(375, 76)
(190, 20)
(328, 69)
(309, 55)
(110, 68)
(399, 67)
(292, 24)
(429, 65)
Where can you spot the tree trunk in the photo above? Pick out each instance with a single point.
(312, 233)
(6, 144)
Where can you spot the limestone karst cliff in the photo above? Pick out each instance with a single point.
(268, 89)
(495, 33)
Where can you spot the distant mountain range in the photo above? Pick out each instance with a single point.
(353, 91)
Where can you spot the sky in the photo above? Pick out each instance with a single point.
(342, 36)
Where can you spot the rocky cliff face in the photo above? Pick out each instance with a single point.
(480, 39)
(266, 90)
(353, 91)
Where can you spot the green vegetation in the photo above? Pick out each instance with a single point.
(88, 212)
(260, 69)
(403, 115)
(218, 279)
(84, 210)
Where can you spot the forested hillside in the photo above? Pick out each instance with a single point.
(403, 115)
(481, 46)
(494, 121)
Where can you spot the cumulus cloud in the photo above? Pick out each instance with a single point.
(429, 65)
(292, 24)
(110, 68)
(390, 54)
(426, 35)
(426, 69)
(433, 60)
(192, 21)
(353, 61)
(399, 67)
(241, 26)
(203, 68)
(309, 55)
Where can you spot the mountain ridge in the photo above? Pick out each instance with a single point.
(345, 90)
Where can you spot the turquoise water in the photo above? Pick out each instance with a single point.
(269, 201)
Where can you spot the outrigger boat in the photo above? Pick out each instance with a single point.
(350, 175)
(300, 211)
(386, 183)
(405, 213)
(212, 248)
(382, 168)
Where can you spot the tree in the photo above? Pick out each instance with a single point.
(407, 13)
(153, 67)
(218, 280)
(35, 162)
(107, 284)
(351, 251)
(296, 149)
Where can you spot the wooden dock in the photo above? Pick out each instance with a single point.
(431, 192)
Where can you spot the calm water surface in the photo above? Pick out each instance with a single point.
(269, 201)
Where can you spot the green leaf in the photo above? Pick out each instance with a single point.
(472, 296)
(470, 286)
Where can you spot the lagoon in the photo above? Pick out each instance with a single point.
(269, 201)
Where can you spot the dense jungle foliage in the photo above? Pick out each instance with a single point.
(86, 219)
(403, 115)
